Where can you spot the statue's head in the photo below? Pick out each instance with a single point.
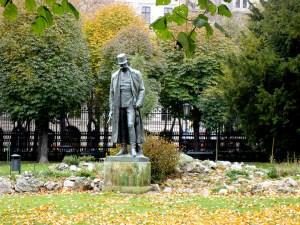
(122, 60)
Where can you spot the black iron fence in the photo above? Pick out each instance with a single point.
(78, 133)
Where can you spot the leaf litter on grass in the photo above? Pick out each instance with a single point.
(108, 208)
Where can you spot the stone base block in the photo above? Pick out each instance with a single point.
(127, 174)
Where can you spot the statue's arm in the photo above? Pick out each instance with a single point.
(141, 93)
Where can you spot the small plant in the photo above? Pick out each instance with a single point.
(71, 160)
(55, 173)
(217, 188)
(114, 151)
(85, 173)
(87, 158)
(273, 173)
(163, 155)
(234, 174)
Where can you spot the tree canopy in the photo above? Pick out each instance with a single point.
(265, 79)
(107, 22)
(42, 75)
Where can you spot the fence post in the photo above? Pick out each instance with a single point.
(8, 153)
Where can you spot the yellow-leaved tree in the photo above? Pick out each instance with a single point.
(105, 25)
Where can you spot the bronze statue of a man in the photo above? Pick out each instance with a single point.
(127, 93)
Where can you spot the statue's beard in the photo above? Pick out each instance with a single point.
(124, 68)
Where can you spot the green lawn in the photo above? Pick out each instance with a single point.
(113, 208)
(25, 166)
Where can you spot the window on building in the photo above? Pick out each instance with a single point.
(167, 10)
(241, 4)
(146, 13)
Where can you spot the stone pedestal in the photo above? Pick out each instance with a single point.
(127, 174)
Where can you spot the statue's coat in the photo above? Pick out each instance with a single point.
(138, 92)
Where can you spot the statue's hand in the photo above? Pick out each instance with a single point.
(137, 106)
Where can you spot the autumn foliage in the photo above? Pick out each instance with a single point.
(163, 155)
(105, 25)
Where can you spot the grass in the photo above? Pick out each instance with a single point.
(112, 208)
(25, 166)
(277, 170)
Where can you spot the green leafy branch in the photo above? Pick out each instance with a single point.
(179, 16)
(44, 11)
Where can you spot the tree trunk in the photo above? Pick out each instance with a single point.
(43, 141)
(272, 151)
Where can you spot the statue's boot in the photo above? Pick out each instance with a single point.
(123, 150)
(140, 150)
(132, 150)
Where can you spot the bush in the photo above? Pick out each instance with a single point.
(86, 173)
(55, 173)
(273, 173)
(114, 151)
(163, 155)
(71, 160)
(234, 174)
(87, 158)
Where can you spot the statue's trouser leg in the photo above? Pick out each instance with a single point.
(123, 149)
(140, 150)
(131, 129)
(122, 136)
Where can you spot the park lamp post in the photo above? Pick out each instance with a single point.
(186, 113)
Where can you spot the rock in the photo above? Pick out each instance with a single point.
(224, 164)
(88, 166)
(185, 159)
(223, 191)
(205, 192)
(74, 168)
(78, 183)
(259, 173)
(62, 166)
(242, 180)
(236, 166)
(185, 190)
(97, 184)
(195, 167)
(210, 164)
(52, 186)
(189, 167)
(285, 189)
(265, 185)
(69, 184)
(155, 188)
(167, 190)
(231, 188)
(5, 186)
(28, 184)
(250, 167)
(199, 168)
(290, 182)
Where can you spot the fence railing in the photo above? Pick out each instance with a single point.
(77, 135)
